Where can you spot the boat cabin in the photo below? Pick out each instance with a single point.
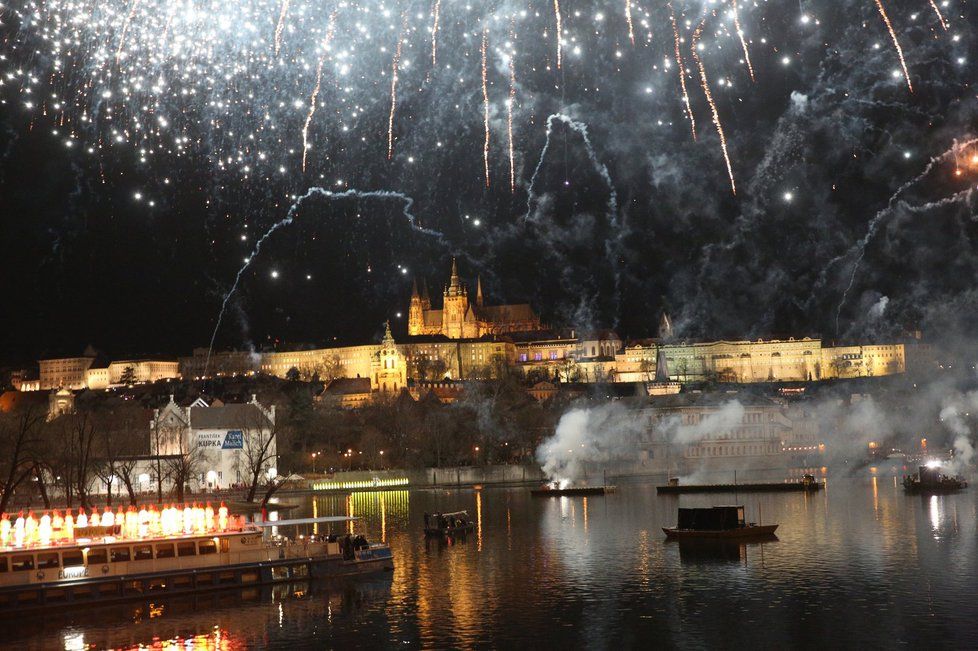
(712, 518)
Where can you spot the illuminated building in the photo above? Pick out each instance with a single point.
(460, 319)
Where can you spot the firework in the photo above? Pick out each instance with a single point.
(125, 28)
(560, 31)
(509, 120)
(395, 62)
(682, 72)
(485, 104)
(713, 107)
(743, 41)
(434, 34)
(896, 43)
(628, 19)
(315, 91)
(281, 25)
(940, 16)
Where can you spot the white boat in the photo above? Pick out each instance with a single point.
(175, 550)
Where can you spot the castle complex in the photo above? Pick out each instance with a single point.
(460, 319)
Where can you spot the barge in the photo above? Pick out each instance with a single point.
(808, 484)
(56, 561)
(554, 490)
(716, 523)
(929, 480)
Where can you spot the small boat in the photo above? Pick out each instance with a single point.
(555, 489)
(808, 484)
(716, 522)
(452, 524)
(929, 480)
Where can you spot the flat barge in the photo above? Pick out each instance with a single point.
(174, 551)
(929, 480)
(806, 485)
(569, 491)
(717, 523)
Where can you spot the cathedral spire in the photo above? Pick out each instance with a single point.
(414, 288)
(454, 282)
(478, 290)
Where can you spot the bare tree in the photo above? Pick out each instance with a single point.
(259, 451)
(121, 438)
(18, 434)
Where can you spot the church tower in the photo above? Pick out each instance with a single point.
(455, 307)
(389, 366)
(478, 291)
(415, 312)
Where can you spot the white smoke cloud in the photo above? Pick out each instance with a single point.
(730, 415)
(954, 411)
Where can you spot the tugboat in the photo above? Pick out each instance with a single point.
(83, 558)
(451, 525)
(930, 480)
(716, 522)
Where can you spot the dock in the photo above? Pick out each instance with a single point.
(762, 487)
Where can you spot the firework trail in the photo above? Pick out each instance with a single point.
(125, 28)
(940, 16)
(315, 91)
(743, 41)
(601, 168)
(281, 25)
(290, 218)
(485, 105)
(896, 43)
(878, 217)
(390, 120)
(713, 106)
(682, 72)
(628, 19)
(509, 118)
(560, 31)
(434, 34)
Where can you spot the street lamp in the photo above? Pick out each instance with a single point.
(314, 463)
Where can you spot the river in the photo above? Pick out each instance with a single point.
(859, 564)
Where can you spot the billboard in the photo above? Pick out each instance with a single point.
(230, 440)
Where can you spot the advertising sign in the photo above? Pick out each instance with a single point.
(233, 440)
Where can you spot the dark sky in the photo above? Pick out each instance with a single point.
(819, 144)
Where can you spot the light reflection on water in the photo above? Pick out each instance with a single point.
(859, 563)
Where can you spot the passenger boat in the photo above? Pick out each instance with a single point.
(452, 524)
(716, 522)
(85, 558)
(929, 480)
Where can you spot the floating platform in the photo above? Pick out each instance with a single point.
(768, 487)
(765, 531)
(573, 490)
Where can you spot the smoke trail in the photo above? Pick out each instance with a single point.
(878, 217)
(601, 168)
(290, 217)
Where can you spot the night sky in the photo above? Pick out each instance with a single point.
(145, 147)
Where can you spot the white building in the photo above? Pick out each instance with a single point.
(222, 444)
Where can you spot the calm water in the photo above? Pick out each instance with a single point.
(860, 564)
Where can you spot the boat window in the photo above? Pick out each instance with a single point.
(186, 549)
(142, 552)
(21, 563)
(98, 556)
(207, 547)
(164, 551)
(49, 559)
(72, 558)
(119, 554)
(3, 564)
